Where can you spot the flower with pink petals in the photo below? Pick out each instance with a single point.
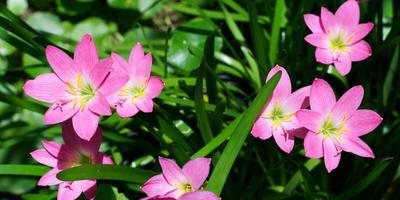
(335, 126)
(74, 152)
(78, 88)
(180, 183)
(338, 37)
(141, 89)
(278, 117)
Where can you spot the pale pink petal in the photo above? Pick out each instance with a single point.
(119, 63)
(172, 173)
(310, 119)
(360, 51)
(348, 13)
(196, 171)
(85, 123)
(135, 57)
(262, 129)
(43, 157)
(357, 146)
(156, 185)
(154, 86)
(99, 72)
(99, 105)
(53, 148)
(362, 122)
(144, 103)
(57, 113)
(158, 197)
(343, 65)
(323, 56)
(127, 109)
(114, 81)
(297, 99)
(61, 63)
(88, 188)
(45, 87)
(359, 31)
(284, 140)
(322, 97)
(69, 190)
(141, 72)
(320, 40)
(348, 103)
(49, 178)
(328, 20)
(313, 145)
(85, 55)
(313, 22)
(331, 155)
(106, 160)
(199, 195)
(284, 87)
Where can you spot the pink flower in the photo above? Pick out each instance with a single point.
(338, 37)
(278, 117)
(141, 89)
(177, 183)
(336, 126)
(74, 152)
(78, 88)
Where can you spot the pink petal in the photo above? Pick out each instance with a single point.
(43, 157)
(156, 185)
(348, 13)
(69, 190)
(172, 173)
(49, 178)
(56, 113)
(199, 195)
(357, 146)
(61, 63)
(100, 72)
(145, 104)
(298, 99)
(313, 22)
(85, 123)
(328, 20)
(348, 103)
(73, 140)
(53, 148)
(284, 87)
(106, 160)
(343, 65)
(45, 87)
(362, 122)
(323, 56)
(135, 57)
(359, 31)
(114, 81)
(313, 145)
(360, 51)
(99, 105)
(88, 188)
(127, 109)
(331, 155)
(319, 40)
(142, 71)
(322, 97)
(154, 86)
(284, 140)
(85, 55)
(262, 129)
(196, 171)
(310, 119)
(119, 63)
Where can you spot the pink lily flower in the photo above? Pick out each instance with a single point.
(177, 183)
(278, 117)
(335, 126)
(74, 152)
(78, 88)
(338, 37)
(139, 92)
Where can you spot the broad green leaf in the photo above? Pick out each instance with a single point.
(17, 6)
(95, 26)
(46, 22)
(23, 170)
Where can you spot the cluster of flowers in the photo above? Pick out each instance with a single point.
(328, 126)
(84, 88)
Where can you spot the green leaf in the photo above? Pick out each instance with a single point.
(279, 16)
(387, 86)
(46, 22)
(297, 177)
(105, 172)
(17, 6)
(12, 100)
(228, 157)
(23, 170)
(172, 132)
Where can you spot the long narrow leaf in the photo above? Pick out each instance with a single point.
(25, 170)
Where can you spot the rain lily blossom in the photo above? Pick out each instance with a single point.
(179, 183)
(278, 117)
(74, 152)
(336, 126)
(138, 93)
(338, 37)
(78, 88)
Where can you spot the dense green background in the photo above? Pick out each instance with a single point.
(250, 37)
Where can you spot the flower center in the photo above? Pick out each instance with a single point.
(134, 92)
(278, 116)
(186, 188)
(82, 160)
(329, 129)
(82, 92)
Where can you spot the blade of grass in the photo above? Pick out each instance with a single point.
(276, 29)
(210, 75)
(23, 170)
(19, 102)
(172, 132)
(387, 86)
(228, 157)
(296, 178)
